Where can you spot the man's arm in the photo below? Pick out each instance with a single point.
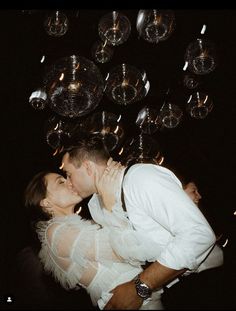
(158, 196)
(155, 276)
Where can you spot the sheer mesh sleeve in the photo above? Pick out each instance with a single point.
(58, 240)
(71, 250)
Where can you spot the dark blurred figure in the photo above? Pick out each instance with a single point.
(34, 290)
(26, 283)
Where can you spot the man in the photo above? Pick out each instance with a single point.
(157, 206)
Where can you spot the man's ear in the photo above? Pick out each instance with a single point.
(90, 167)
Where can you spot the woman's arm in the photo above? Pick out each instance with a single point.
(57, 256)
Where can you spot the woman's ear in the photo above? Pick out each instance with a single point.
(47, 206)
(44, 203)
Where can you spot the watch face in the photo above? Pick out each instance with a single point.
(142, 289)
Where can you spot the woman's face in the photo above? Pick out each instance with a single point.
(59, 191)
(192, 190)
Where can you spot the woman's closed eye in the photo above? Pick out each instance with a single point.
(62, 180)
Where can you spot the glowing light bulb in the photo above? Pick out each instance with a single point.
(56, 25)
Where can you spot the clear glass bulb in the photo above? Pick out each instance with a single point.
(114, 28)
(101, 52)
(190, 81)
(140, 149)
(74, 86)
(170, 115)
(107, 125)
(148, 120)
(155, 25)
(199, 105)
(201, 57)
(125, 84)
(56, 132)
(56, 24)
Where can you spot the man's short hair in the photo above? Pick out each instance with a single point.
(87, 147)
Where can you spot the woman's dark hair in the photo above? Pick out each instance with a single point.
(34, 193)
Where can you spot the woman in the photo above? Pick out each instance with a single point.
(80, 252)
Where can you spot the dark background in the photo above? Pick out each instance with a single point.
(202, 147)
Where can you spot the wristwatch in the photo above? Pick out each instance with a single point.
(143, 290)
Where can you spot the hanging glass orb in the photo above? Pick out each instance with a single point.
(199, 105)
(57, 131)
(155, 25)
(101, 52)
(170, 115)
(56, 25)
(125, 84)
(140, 149)
(201, 57)
(107, 125)
(148, 120)
(190, 81)
(114, 28)
(74, 86)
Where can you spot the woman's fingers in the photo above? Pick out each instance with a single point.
(96, 180)
(110, 160)
(114, 169)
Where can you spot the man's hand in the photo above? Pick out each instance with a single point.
(124, 298)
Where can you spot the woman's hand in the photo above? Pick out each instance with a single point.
(108, 184)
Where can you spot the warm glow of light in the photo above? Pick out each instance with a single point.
(74, 86)
(124, 83)
(203, 29)
(61, 167)
(205, 99)
(79, 210)
(42, 59)
(122, 149)
(190, 97)
(118, 120)
(161, 161)
(185, 66)
(226, 242)
(62, 76)
(116, 130)
(55, 152)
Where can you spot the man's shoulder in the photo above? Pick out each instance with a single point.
(141, 172)
(141, 168)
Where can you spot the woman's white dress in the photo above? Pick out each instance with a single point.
(80, 253)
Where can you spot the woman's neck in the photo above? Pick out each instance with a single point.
(64, 212)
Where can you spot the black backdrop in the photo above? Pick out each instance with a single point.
(204, 147)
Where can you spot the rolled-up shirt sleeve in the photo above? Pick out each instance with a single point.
(157, 206)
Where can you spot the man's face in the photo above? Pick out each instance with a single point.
(81, 178)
